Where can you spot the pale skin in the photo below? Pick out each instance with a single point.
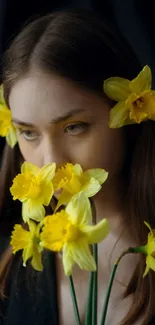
(61, 122)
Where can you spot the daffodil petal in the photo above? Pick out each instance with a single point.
(150, 261)
(32, 210)
(36, 211)
(152, 117)
(118, 115)
(142, 82)
(27, 253)
(148, 226)
(47, 172)
(5, 120)
(11, 136)
(38, 228)
(146, 271)
(47, 193)
(149, 107)
(32, 227)
(3, 129)
(36, 259)
(116, 88)
(19, 239)
(95, 234)
(151, 245)
(79, 209)
(77, 169)
(82, 256)
(138, 117)
(64, 198)
(67, 260)
(28, 167)
(91, 187)
(25, 211)
(99, 174)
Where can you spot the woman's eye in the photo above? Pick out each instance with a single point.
(29, 135)
(76, 128)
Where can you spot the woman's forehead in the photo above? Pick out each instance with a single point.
(41, 97)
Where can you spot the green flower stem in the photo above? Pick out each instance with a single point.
(95, 274)
(74, 300)
(95, 287)
(91, 309)
(139, 249)
(112, 275)
(88, 319)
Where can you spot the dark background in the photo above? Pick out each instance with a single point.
(135, 19)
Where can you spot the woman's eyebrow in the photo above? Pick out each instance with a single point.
(57, 120)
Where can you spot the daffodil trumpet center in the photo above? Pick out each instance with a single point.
(73, 186)
(139, 103)
(26, 186)
(34, 188)
(71, 233)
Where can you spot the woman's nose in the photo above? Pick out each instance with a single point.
(54, 152)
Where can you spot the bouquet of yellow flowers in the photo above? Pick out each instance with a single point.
(71, 230)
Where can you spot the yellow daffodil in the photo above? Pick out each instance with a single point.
(28, 241)
(71, 179)
(7, 128)
(136, 100)
(149, 250)
(69, 231)
(34, 188)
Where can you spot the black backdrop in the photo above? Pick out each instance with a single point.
(135, 18)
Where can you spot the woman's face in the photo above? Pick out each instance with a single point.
(59, 122)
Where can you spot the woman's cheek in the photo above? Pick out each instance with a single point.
(30, 153)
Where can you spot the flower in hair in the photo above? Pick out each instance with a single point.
(69, 231)
(7, 129)
(149, 250)
(28, 241)
(135, 99)
(34, 188)
(71, 180)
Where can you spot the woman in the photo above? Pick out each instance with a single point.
(53, 84)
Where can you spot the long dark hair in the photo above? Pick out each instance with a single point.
(79, 46)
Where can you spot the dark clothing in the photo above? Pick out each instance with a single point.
(32, 298)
